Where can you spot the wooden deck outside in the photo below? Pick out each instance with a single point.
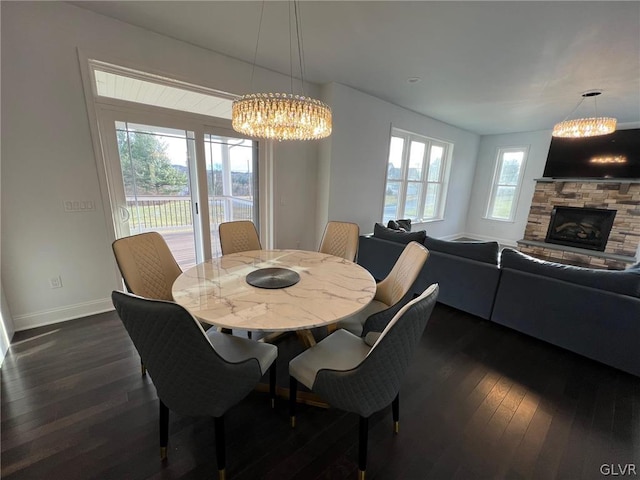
(170, 216)
(182, 245)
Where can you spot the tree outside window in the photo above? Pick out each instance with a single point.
(146, 165)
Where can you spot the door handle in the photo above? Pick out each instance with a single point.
(125, 215)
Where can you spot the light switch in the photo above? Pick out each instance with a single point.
(72, 206)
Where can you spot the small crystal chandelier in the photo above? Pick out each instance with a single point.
(282, 116)
(585, 127)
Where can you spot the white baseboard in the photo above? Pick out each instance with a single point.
(451, 237)
(62, 314)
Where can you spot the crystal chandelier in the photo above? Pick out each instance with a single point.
(281, 116)
(585, 127)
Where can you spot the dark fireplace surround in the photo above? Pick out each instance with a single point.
(586, 228)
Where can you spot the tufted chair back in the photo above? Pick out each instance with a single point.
(238, 236)
(147, 265)
(340, 239)
(405, 271)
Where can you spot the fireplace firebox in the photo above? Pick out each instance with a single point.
(587, 228)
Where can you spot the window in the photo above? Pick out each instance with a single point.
(416, 176)
(113, 81)
(507, 180)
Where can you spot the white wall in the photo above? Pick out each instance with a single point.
(323, 173)
(506, 233)
(7, 328)
(357, 164)
(295, 198)
(47, 153)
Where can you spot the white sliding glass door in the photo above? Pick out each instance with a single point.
(155, 169)
(232, 187)
(177, 178)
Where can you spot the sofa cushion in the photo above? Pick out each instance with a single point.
(625, 282)
(404, 223)
(380, 231)
(400, 224)
(393, 225)
(486, 252)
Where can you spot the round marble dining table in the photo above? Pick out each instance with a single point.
(329, 289)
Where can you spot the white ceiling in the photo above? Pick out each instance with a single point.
(488, 67)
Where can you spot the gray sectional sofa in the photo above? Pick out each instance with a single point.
(595, 313)
(468, 267)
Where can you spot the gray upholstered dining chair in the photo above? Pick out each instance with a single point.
(362, 375)
(147, 266)
(195, 372)
(340, 239)
(238, 236)
(391, 293)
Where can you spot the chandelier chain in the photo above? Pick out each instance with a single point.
(575, 109)
(300, 41)
(255, 53)
(290, 51)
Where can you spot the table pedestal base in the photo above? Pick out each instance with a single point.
(305, 336)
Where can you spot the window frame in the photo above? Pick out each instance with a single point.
(404, 182)
(499, 162)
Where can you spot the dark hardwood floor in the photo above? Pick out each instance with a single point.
(479, 401)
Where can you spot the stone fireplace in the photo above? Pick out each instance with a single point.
(588, 209)
(580, 227)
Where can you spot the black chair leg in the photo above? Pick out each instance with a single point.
(293, 393)
(362, 447)
(272, 384)
(220, 446)
(164, 429)
(395, 408)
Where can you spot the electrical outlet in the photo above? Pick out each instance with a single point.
(55, 282)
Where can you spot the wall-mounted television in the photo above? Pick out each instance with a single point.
(616, 155)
